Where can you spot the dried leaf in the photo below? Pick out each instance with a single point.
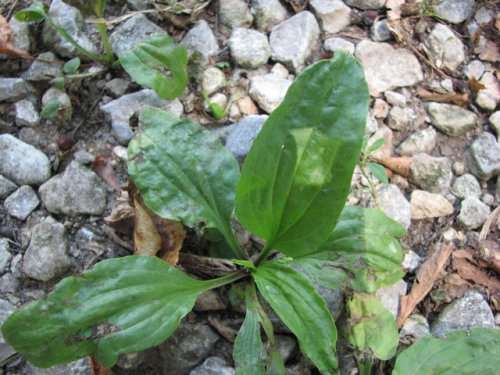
(7, 40)
(97, 368)
(153, 234)
(122, 215)
(225, 331)
(427, 275)
(476, 275)
(400, 165)
(298, 5)
(475, 85)
(102, 167)
(453, 98)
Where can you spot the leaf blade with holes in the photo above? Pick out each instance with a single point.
(463, 352)
(372, 326)
(184, 173)
(147, 62)
(296, 177)
(362, 253)
(302, 309)
(122, 305)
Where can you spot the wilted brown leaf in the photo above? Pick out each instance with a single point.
(453, 98)
(469, 271)
(475, 85)
(427, 275)
(400, 165)
(7, 40)
(153, 234)
(102, 167)
(121, 217)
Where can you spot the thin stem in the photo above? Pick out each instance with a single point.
(231, 278)
(101, 27)
(263, 254)
(233, 243)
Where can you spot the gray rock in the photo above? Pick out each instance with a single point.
(41, 71)
(26, 113)
(132, 32)
(64, 112)
(9, 283)
(387, 148)
(390, 296)
(235, 13)
(21, 203)
(117, 87)
(338, 44)
(333, 298)
(422, 141)
(213, 366)
(16, 266)
(12, 89)
(398, 118)
(213, 80)
(466, 312)
(451, 119)
(6, 310)
(485, 152)
(249, 48)
(444, 48)
(380, 32)
(366, 4)
(240, 136)
(201, 39)
(431, 173)
(425, 205)
(47, 254)
(5, 256)
(466, 186)
(416, 326)
(387, 68)
(474, 69)
(394, 204)
(495, 123)
(395, 98)
(473, 213)
(268, 91)
(81, 367)
(268, 13)
(286, 346)
(488, 199)
(120, 110)
(488, 97)
(77, 191)
(189, 345)
(70, 19)
(6, 187)
(21, 162)
(131, 361)
(333, 15)
(209, 300)
(20, 38)
(454, 11)
(294, 40)
(497, 189)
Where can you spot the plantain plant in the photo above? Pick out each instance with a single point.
(291, 192)
(147, 63)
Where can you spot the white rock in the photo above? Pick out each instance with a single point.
(411, 261)
(390, 296)
(5, 255)
(213, 80)
(454, 11)
(268, 91)
(268, 13)
(425, 205)
(387, 68)
(398, 118)
(422, 141)
(200, 38)
(394, 204)
(21, 203)
(466, 186)
(26, 113)
(444, 48)
(415, 326)
(338, 44)
(395, 98)
(474, 69)
(431, 173)
(235, 13)
(6, 187)
(495, 123)
(485, 152)
(473, 213)
(451, 119)
(366, 4)
(333, 15)
(489, 97)
(294, 40)
(249, 48)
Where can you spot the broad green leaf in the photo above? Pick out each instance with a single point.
(362, 252)
(158, 63)
(376, 145)
(50, 109)
(71, 66)
(248, 352)
(184, 173)
(301, 308)
(378, 171)
(275, 364)
(122, 305)
(297, 175)
(463, 352)
(372, 326)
